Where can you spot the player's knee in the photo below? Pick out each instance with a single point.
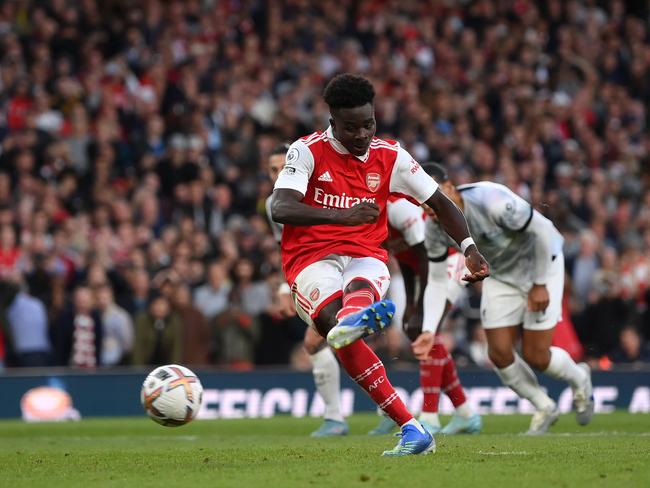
(537, 358)
(312, 346)
(501, 358)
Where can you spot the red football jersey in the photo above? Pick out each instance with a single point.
(321, 169)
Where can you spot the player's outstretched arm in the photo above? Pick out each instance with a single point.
(454, 223)
(287, 208)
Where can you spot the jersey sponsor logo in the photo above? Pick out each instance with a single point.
(414, 166)
(372, 181)
(314, 295)
(325, 177)
(330, 200)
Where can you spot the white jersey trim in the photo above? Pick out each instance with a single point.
(408, 178)
(298, 168)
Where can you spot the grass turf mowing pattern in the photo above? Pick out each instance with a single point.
(613, 451)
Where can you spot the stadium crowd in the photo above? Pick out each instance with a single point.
(134, 138)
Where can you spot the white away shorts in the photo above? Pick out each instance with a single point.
(324, 281)
(504, 305)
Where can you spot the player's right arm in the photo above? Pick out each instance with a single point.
(287, 208)
(291, 187)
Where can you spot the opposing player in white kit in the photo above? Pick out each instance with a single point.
(331, 197)
(525, 287)
(325, 367)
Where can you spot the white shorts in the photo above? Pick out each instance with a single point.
(503, 305)
(324, 281)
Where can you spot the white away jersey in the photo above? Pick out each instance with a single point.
(497, 219)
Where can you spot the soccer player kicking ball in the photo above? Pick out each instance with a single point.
(526, 287)
(430, 290)
(325, 367)
(331, 197)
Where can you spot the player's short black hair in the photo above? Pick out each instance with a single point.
(437, 171)
(348, 91)
(281, 148)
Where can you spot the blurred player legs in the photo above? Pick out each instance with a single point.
(325, 367)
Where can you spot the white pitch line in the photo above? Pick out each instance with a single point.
(504, 453)
(600, 434)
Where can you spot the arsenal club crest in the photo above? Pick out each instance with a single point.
(314, 295)
(372, 181)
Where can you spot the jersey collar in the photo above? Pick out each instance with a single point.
(339, 148)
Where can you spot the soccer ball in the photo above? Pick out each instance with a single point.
(171, 395)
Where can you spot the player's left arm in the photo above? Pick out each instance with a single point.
(415, 294)
(542, 229)
(435, 296)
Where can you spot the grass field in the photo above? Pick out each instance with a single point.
(613, 451)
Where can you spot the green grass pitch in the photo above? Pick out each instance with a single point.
(613, 451)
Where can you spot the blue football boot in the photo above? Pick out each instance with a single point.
(462, 425)
(366, 322)
(412, 442)
(331, 428)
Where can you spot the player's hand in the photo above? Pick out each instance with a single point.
(422, 345)
(478, 267)
(359, 214)
(538, 298)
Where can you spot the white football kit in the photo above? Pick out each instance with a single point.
(522, 246)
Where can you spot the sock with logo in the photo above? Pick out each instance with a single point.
(367, 370)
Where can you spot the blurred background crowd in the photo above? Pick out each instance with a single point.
(134, 139)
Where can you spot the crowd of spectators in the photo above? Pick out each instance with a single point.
(134, 138)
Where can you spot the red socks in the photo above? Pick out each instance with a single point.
(451, 384)
(364, 366)
(366, 369)
(438, 373)
(431, 377)
(355, 301)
